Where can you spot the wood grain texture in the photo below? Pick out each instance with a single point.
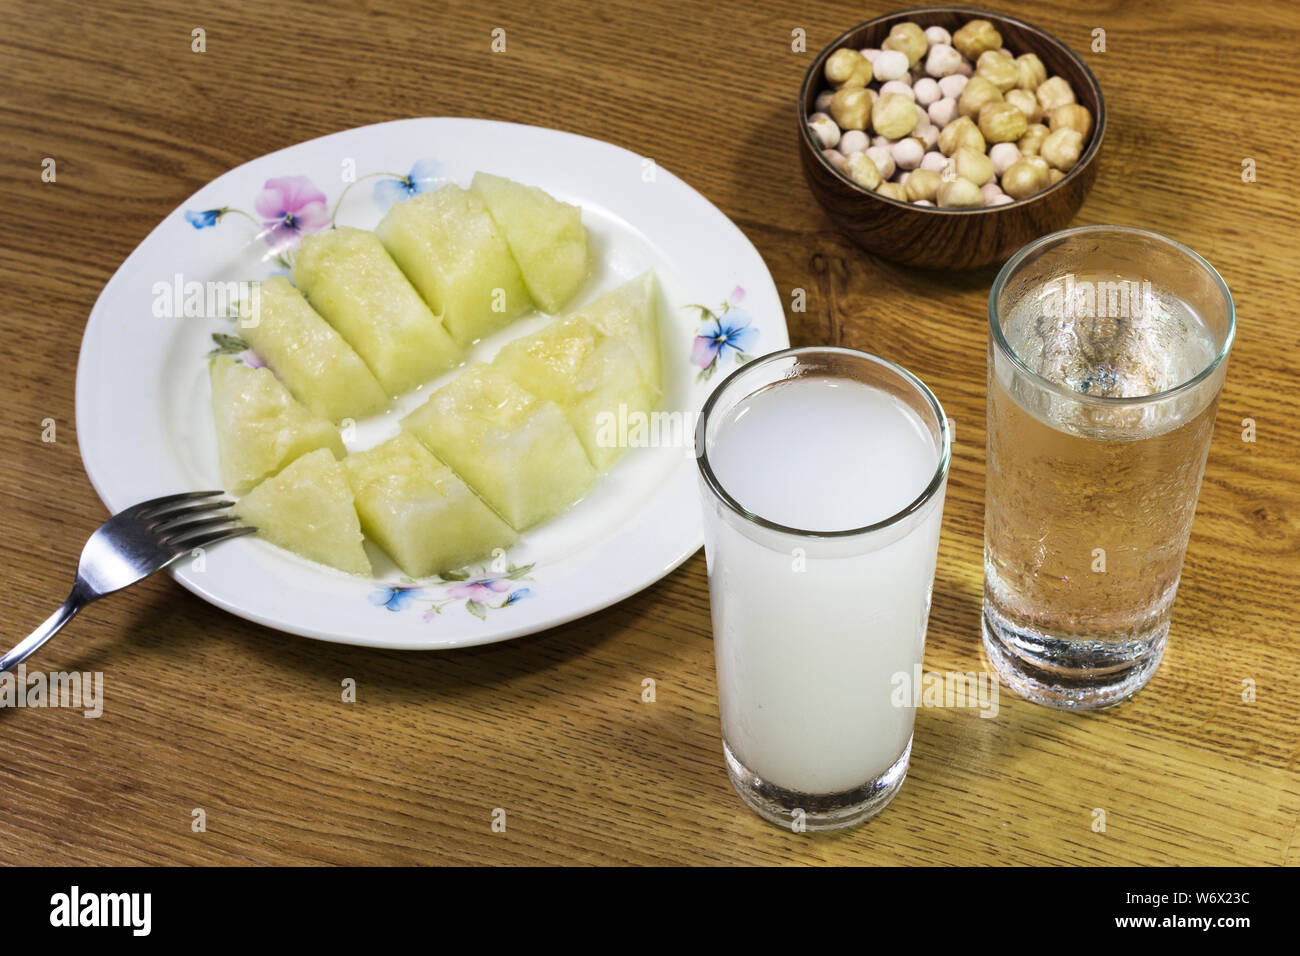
(206, 711)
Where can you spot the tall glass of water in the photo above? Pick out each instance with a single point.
(823, 474)
(1107, 351)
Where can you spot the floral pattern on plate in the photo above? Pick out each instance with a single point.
(479, 588)
(289, 207)
(728, 330)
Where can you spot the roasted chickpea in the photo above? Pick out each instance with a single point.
(972, 165)
(998, 68)
(1062, 148)
(1071, 116)
(1026, 102)
(1033, 139)
(978, 91)
(1002, 123)
(907, 38)
(1021, 180)
(1054, 92)
(1030, 71)
(922, 184)
(959, 194)
(976, 37)
(851, 108)
(960, 132)
(893, 115)
(862, 170)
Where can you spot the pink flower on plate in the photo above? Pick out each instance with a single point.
(289, 207)
(479, 590)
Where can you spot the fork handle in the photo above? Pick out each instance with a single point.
(29, 646)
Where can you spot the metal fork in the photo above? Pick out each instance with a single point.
(132, 545)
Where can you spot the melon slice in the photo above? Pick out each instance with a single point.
(631, 314)
(516, 450)
(596, 380)
(452, 251)
(260, 426)
(307, 509)
(609, 403)
(549, 363)
(545, 236)
(417, 509)
(351, 281)
(307, 354)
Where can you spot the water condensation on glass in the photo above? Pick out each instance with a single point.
(1105, 336)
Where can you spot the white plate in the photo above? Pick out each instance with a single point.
(145, 428)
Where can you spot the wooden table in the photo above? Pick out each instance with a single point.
(206, 711)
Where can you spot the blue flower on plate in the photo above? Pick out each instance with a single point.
(394, 598)
(201, 220)
(727, 329)
(514, 597)
(720, 333)
(425, 176)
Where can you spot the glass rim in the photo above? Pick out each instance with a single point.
(1001, 343)
(931, 489)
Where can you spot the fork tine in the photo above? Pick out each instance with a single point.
(183, 507)
(176, 530)
(155, 506)
(170, 520)
(212, 537)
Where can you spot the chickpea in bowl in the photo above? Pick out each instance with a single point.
(947, 137)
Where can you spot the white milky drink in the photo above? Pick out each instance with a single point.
(810, 630)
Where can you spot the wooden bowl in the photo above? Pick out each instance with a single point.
(934, 238)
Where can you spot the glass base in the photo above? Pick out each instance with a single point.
(821, 811)
(1067, 674)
